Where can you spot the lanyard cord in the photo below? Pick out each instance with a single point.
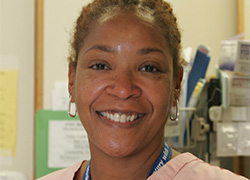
(164, 157)
(86, 175)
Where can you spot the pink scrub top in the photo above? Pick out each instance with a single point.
(183, 167)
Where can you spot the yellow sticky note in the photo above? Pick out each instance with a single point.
(8, 112)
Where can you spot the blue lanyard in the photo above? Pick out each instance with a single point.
(164, 157)
(86, 175)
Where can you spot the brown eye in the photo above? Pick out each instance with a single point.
(150, 68)
(99, 66)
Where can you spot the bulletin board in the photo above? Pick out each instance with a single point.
(75, 145)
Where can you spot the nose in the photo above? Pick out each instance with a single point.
(124, 86)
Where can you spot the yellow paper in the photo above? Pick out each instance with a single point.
(8, 112)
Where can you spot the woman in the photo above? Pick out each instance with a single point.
(124, 77)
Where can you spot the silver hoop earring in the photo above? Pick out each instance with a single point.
(174, 112)
(72, 110)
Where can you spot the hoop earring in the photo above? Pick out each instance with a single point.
(72, 111)
(174, 112)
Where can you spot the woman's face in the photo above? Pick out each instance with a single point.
(123, 85)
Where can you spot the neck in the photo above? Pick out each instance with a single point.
(136, 166)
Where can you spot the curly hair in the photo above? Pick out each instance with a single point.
(159, 10)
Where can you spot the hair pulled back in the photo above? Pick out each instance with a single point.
(163, 19)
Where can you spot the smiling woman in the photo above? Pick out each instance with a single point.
(124, 76)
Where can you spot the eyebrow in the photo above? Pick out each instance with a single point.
(142, 51)
(101, 48)
(145, 51)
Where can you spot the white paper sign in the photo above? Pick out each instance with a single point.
(12, 175)
(60, 96)
(233, 139)
(68, 143)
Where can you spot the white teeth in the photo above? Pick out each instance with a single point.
(132, 117)
(116, 117)
(119, 117)
(123, 118)
(112, 117)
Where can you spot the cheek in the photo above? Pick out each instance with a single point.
(161, 96)
(87, 89)
(161, 91)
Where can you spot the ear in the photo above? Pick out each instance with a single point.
(178, 80)
(71, 81)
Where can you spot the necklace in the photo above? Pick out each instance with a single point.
(164, 157)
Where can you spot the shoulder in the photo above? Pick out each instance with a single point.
(63, 174)
(187, 166)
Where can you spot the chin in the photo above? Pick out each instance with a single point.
(119, 150)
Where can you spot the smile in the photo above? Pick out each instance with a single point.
(121, 117)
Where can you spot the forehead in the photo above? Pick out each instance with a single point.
(139, 14)
(125, 28)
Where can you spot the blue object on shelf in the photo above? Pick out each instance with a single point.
(197, 72)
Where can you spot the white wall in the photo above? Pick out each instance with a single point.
(206, 22)
(59, 18)
(17, 40)
(247, 19)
